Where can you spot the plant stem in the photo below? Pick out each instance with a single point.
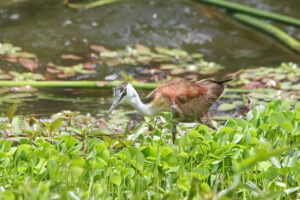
(92, 4)
(102, 85)
(270, 29)
(253, 11)
(76, 84)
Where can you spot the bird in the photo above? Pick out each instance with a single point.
(188, 101)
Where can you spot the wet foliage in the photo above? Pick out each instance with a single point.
(89, 4)
(69, 157)
(249, 87)
(160, 63)
(173, 61)
(268, 83)
(14, 54)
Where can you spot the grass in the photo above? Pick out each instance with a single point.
(68, 158)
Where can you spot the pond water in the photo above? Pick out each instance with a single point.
(49, 29)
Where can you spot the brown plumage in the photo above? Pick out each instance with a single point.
(189, 101)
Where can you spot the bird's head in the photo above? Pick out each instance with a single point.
(123, 93)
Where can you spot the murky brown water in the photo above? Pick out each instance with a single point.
(49, 29)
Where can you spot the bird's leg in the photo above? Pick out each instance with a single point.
(174, 132)
(207, 121)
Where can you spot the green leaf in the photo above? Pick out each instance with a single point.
(291, 159)
(165, 151)
(291, 190)
(5, 145)
(7, 195)
(116, 178)
(226, 107)
(205, 188)
(55, 124)
(136, 132)
(169, 126)
(70, 141)
(271, 173)
(277, 118)
(194, 134)
(275, 161)
(231, 124)
(109, 54)
(264, 165)
(237, 138)
(138, 161)
(78, 161)
(76, 171)
(287, 126)
(11, 111)
(285, 106)
(184, 183)
(127, 77)
(201, 173)
(260, 156)
(297, 106)
(167, 116)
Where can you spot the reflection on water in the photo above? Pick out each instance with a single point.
(49, 29)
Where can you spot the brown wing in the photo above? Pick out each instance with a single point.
(181, 91)
(187, 100)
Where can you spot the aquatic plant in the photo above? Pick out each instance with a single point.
(69, 157)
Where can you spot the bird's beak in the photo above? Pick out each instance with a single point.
(116, 101)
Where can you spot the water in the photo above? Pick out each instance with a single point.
(49, 29)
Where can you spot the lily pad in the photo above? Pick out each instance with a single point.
(164, 58)
(226, 107)
(14, 54)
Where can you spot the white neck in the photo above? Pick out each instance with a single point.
(143, 109)
(132, 98)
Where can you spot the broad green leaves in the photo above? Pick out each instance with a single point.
(259, 156)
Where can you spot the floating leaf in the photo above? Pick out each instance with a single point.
(142, 49)
(99, 48)
(89, 65)
(108, 54)
(169, 66)
(178, 71)
(226, 107)
(71, 57)
(29, 64)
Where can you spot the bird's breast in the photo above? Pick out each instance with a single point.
(159, 104)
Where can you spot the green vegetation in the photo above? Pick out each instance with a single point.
(277, 33)
(253, 11)
(248, 15)
(71, 158)
(75, 156)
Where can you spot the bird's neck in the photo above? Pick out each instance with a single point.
(134, 100)
(142, 108)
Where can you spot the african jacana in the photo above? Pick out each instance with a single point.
(189, 101)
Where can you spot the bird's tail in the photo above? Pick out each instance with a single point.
(223, 81)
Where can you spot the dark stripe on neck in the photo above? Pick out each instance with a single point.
(149, 98)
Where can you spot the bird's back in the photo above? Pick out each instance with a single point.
(187, 100)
